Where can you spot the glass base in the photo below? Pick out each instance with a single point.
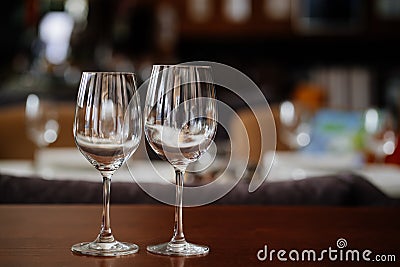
(111, 249)
(186, 249)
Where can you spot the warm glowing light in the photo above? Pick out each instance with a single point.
(371, 123)
(78, 9)
(32, 105)
(55, 31)
(51, 131)
(303, 139)
(286, 113)
(237, 10)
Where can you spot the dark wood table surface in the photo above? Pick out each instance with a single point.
(41, 235)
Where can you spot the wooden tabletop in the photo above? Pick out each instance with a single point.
(41, 235)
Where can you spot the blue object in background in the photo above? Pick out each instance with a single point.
(336, 131)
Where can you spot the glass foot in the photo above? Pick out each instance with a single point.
(115, 248)
(186, 249)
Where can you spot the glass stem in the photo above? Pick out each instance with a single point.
(178, 238)
(105, 232)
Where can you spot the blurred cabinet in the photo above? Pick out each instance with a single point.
(232, 18)
(243, 18)
(292, 37)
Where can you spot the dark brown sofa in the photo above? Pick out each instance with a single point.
(343, 190)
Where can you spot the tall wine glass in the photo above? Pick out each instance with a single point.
(107, 130)
(180, 124)
(294, 125)
(41, 123)
(380, 133)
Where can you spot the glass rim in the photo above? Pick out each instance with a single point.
(181, 66)
(109, 72)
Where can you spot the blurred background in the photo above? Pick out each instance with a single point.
(329, 69)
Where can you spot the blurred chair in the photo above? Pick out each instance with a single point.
(265, 133)
(14, 143)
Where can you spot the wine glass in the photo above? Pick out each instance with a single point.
(107, 130)
(380, 130)
(180, 124)
(294, 122)
(42, 126)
